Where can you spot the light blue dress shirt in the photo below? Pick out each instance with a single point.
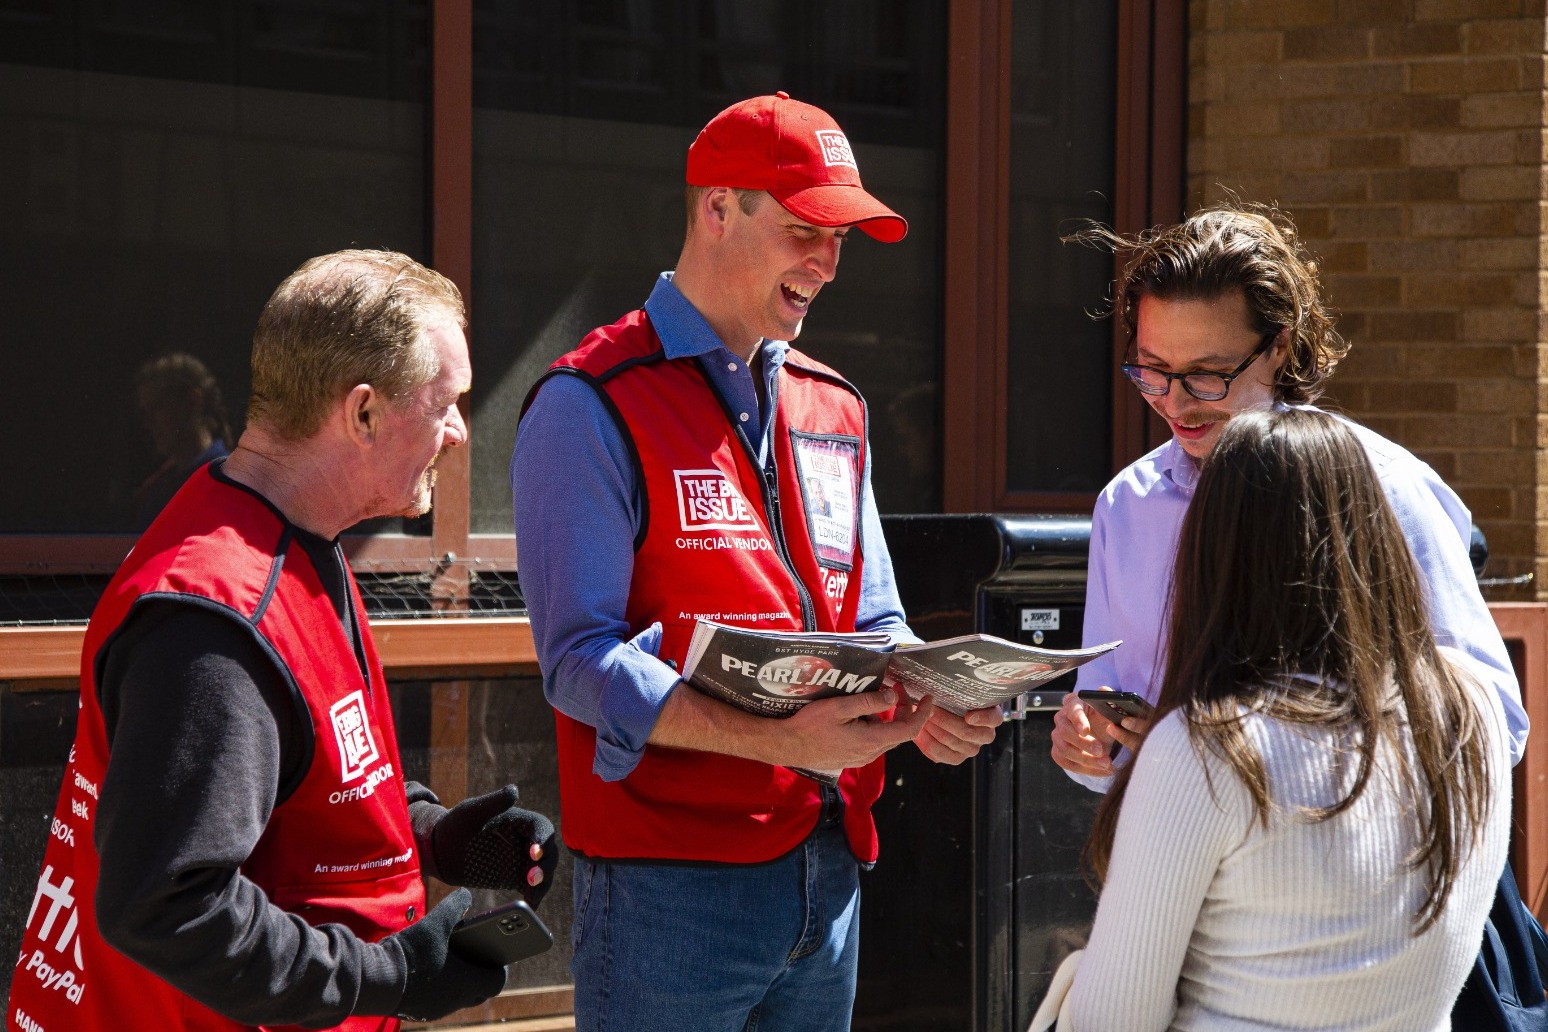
(577, 509)
(1134, 534)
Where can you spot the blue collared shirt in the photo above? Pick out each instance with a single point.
(1134, 535)
(577, 509)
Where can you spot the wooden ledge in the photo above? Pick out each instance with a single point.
(435, 647)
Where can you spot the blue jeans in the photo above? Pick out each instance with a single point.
(719, 948)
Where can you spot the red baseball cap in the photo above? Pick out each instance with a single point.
(799, 155)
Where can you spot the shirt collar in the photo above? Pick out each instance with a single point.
(685, 333)
(1181, 468)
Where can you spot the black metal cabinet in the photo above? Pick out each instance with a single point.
(978, 892)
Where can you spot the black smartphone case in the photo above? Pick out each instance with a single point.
(1117, 707)
(501, 936)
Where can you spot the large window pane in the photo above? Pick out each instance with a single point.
(166, 164)
(584, 113)
(1063, 71)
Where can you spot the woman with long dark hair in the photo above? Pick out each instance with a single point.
(1311, 833)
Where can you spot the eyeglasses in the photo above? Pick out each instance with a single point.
(1203, 386)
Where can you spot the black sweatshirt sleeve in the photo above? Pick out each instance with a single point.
(202, 733)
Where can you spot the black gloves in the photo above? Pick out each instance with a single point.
(439, 981)
(485, 843)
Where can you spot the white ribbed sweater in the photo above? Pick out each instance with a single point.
(1209, 922)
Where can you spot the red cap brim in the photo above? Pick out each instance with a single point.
(840, 204)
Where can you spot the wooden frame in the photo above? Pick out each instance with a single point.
(451, 253)
(464, 647)
(1524, 626)
(977, 242)
(1152, 109)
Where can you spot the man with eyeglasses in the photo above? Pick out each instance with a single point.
(1226, 315)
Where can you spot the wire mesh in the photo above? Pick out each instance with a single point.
(396, 589)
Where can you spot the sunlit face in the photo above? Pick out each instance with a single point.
(419, 428)
(771, 267)
(1204, 336)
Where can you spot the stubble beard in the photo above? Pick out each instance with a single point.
(423, 496)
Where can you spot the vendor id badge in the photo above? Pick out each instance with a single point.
(829, 470)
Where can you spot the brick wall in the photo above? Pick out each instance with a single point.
(1406, 139)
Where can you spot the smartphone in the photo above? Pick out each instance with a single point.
(501, 936)
(1115, 705)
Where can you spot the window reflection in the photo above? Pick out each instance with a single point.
(1060, 366)
(184, 415)
(166, 165)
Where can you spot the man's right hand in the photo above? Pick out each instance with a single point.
(1082, 742)
(847, 730)
(826, 734)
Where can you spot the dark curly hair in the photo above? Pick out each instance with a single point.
(1230, 246)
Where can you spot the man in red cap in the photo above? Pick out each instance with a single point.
(663, 473)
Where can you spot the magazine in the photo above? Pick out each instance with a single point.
(775, 673)
(978, 670)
